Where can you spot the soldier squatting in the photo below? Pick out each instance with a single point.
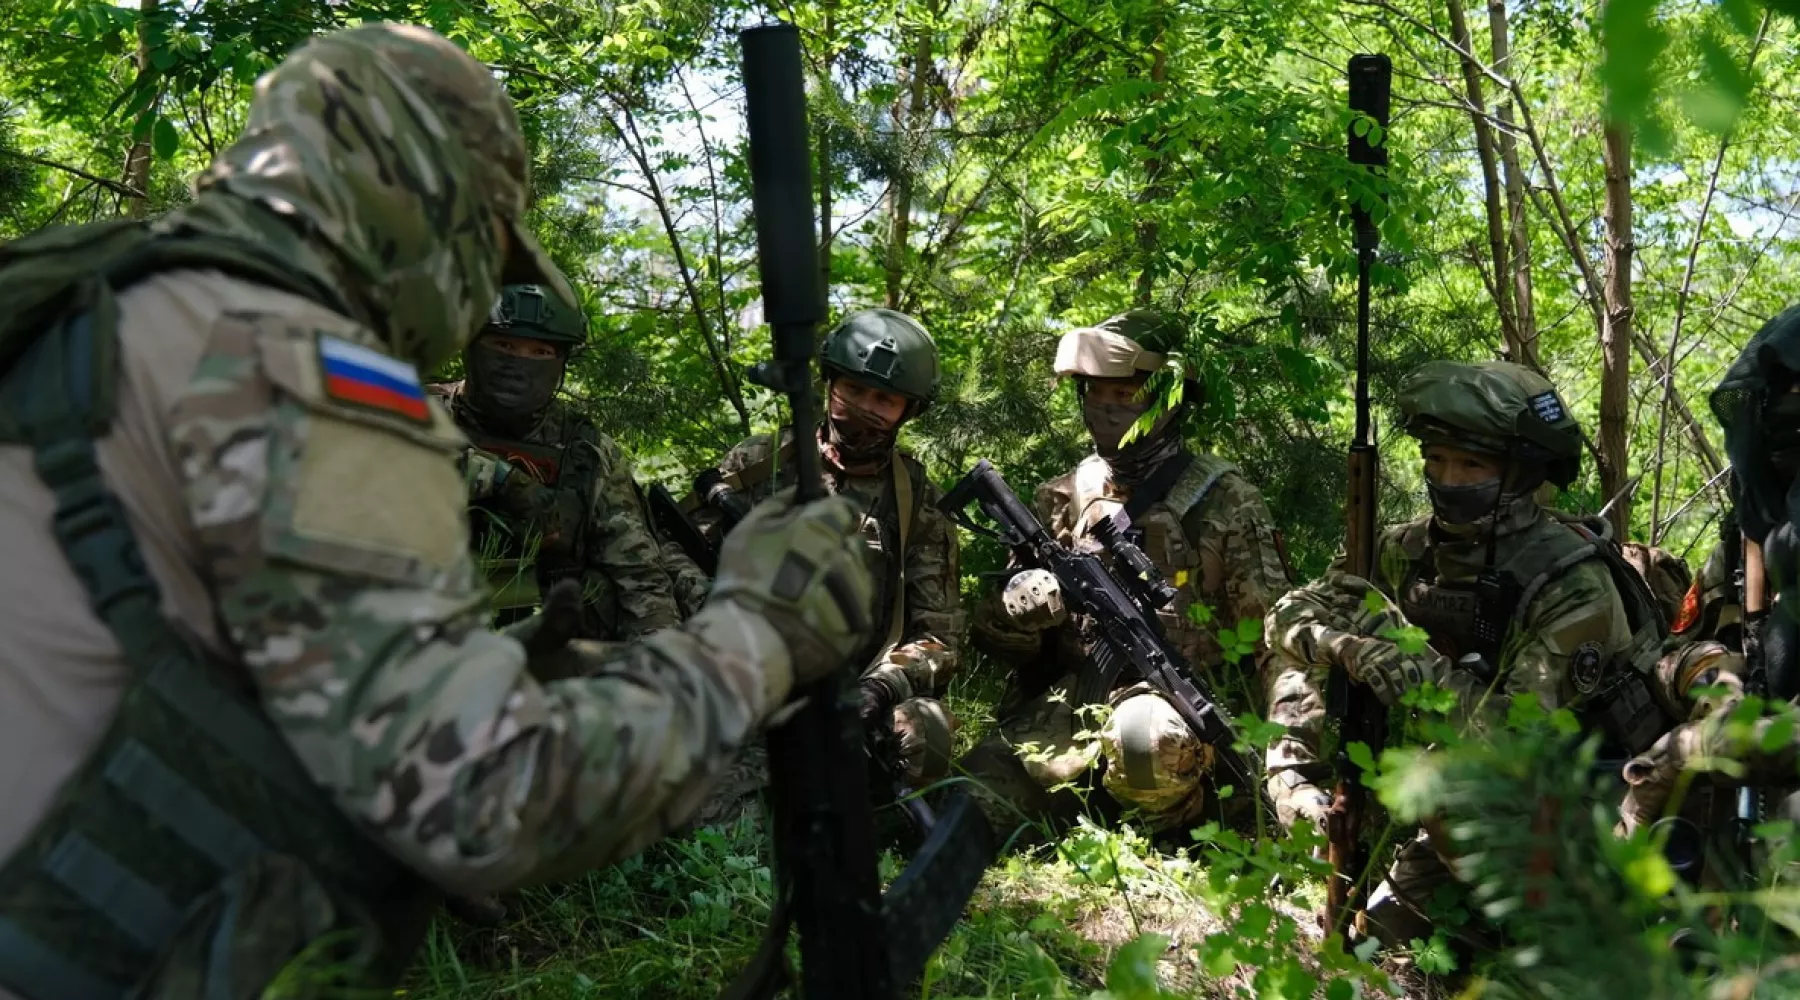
(251, 696)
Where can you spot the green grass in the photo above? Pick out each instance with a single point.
(1102, 913)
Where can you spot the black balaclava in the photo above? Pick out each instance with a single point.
(857, 435)
(1458, 505)
(510, 393)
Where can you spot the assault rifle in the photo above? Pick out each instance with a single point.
(1359, 714)
(1121, 606)
(855, 941)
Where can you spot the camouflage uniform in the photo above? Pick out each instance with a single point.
(623, 568)
(919, 666)
(913, 650)
(1571, 638)
(299, 688)
(1211, 537)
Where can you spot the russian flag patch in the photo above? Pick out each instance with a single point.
(370, 379)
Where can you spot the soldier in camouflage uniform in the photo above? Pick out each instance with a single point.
(1205, 528)
(1567, 620)
(881, 370)
(248, 708)
(551, 497)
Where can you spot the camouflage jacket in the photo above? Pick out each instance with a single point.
(1211, 536)
(1556, 647)
(925, 655)
(623, 569)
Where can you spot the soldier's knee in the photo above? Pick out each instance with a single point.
(1154, 762)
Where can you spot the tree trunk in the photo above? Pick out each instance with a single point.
(1518, 235)
(910, 127)
(137, 158)
(1616, 330)
(1148, 233)
(1490, 178)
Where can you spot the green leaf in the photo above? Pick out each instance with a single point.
(1360, 756)
(1132, 974)
(1217, 956)
(1779, 734)
(1373, 602)
(1649, 871)
(1434, 957)
(164, 139)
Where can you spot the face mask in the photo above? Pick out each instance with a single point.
(1463, 504)
(1108, 422)
(859, 435)
(510, 390)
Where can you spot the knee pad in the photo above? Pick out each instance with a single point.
(1154, 762)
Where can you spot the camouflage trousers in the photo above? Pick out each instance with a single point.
(924, 732)
(1420, 887)
(1142, 754)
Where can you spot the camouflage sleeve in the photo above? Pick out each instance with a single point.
(1575, 624)
(622, 549)
(743, 455)
(690, 582)
(1304, 629)
(1237, 536)
(928, 653)
(336, 545)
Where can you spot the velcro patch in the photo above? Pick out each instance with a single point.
(364, 377)
(1548, 408)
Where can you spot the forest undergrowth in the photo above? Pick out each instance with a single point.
(1097, 913)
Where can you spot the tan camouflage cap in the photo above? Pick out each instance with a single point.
(404, 155)
(1131, 343)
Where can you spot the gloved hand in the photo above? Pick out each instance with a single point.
(1032, 600)
(877, 701)
(558, 621)
(802, 569)
(1387, 671)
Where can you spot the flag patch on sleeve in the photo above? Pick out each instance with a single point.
(368, 378)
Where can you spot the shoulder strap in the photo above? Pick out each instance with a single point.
(905, 502)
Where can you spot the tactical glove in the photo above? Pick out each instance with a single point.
(878, 698)
(1032, 600)
(803, 570)
(546, 635)
(1387, 671)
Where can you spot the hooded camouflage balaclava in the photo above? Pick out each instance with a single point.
(398, 159)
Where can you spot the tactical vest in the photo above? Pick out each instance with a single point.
(190, 855)
(1157, 529)
(517, 572)
(1465, 617)
(887, 526)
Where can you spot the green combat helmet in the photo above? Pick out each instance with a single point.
(1495, 408)
(1137, 342)
(884, 348)
(534, 311)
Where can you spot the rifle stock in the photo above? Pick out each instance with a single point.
(1359, 714)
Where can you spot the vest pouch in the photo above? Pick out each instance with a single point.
(1625, 714)
(175, 840)
(270, 929)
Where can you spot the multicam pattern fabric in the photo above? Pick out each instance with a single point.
(1327, 624)
(403, 157)
(923, 661)
(334, 532)
(628, 580)
(1224, 560)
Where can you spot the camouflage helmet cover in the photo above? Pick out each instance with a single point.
(884, 348)
(1132, 343)
(402, 156)
(535, 312)
(1493, 407)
